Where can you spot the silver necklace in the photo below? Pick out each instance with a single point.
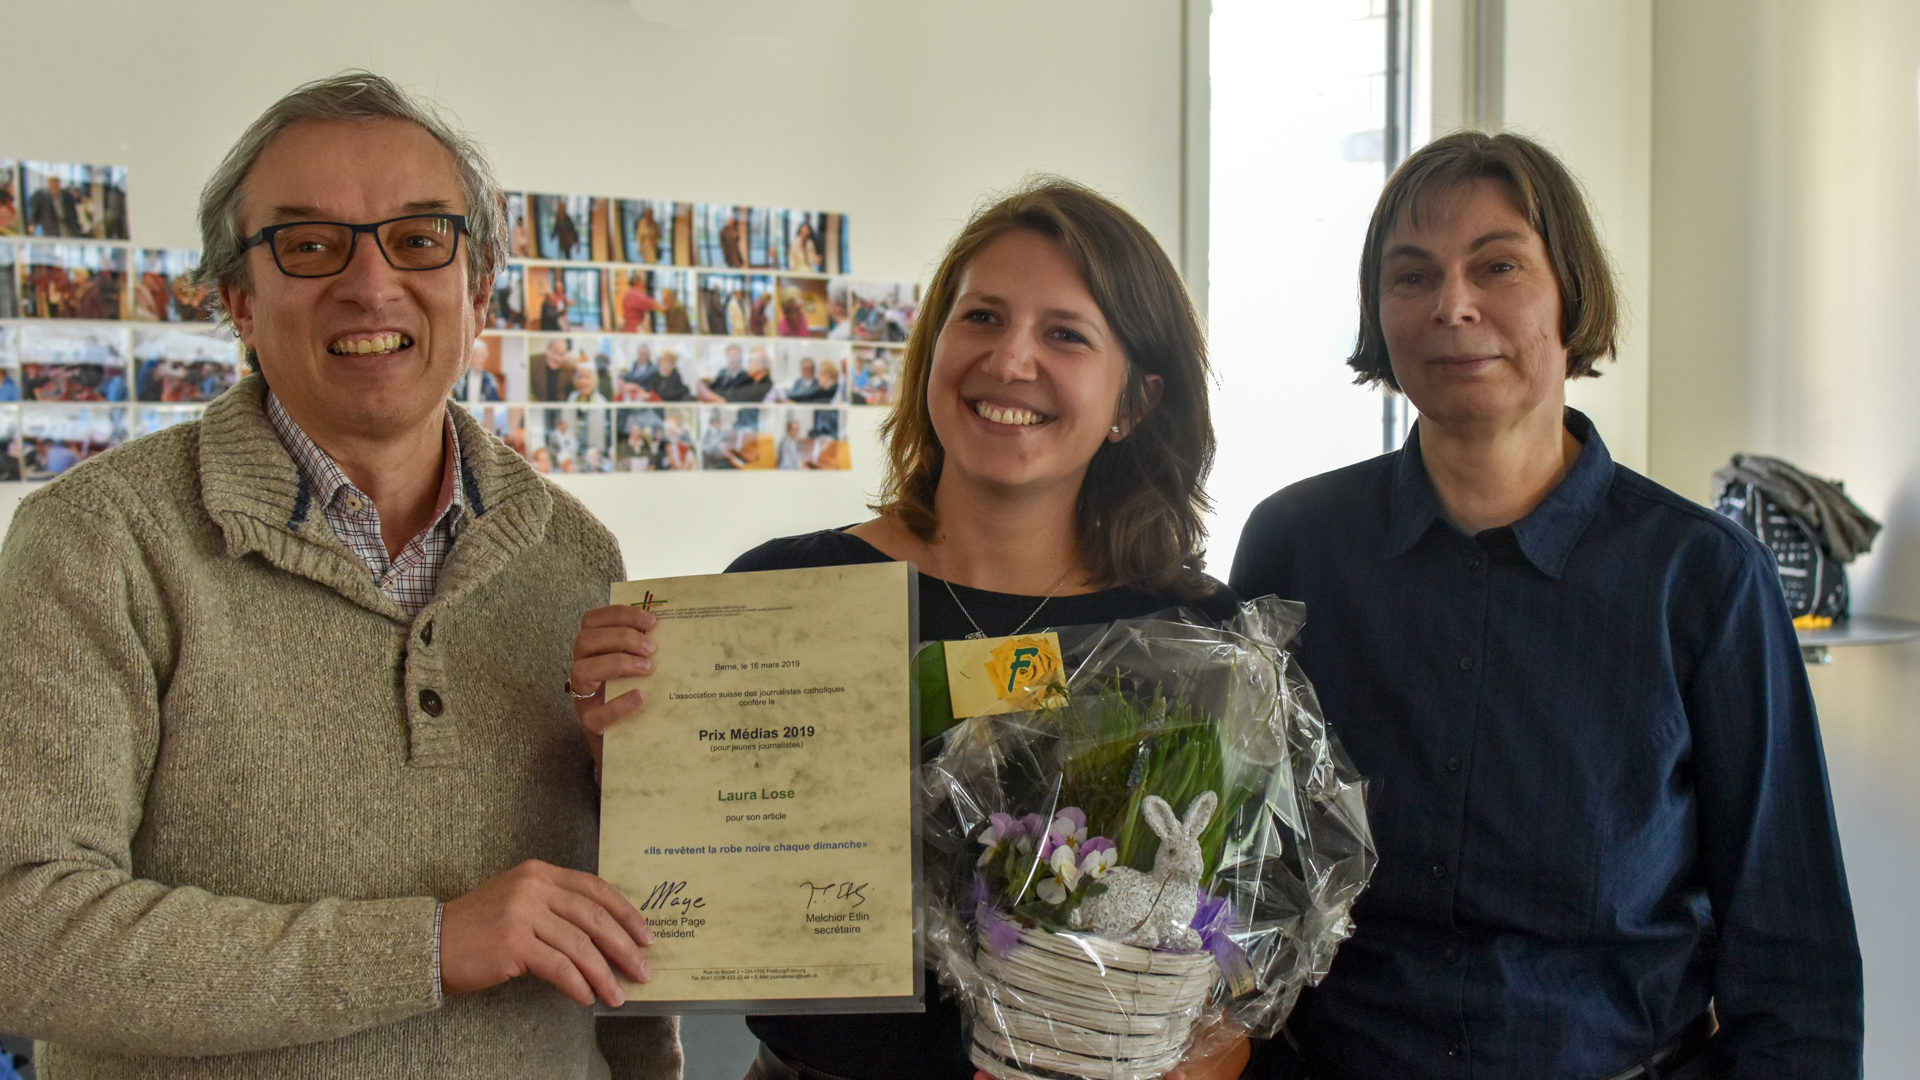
(979, 633)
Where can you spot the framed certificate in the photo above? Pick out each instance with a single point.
(760, 808)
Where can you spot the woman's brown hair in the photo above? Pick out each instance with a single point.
(1545, 193)
(1138, 517)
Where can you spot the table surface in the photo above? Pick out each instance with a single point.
(1862, 630)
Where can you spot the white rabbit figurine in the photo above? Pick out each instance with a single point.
(1155, 911)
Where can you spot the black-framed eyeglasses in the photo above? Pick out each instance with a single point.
(310, 249)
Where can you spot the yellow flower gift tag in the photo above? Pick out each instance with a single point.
(1001, 675)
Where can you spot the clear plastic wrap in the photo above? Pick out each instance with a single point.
(1062, 905)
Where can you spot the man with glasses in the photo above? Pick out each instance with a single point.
(292, 786)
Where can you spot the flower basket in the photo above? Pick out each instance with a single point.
(1080, 1005)
(1168, 835)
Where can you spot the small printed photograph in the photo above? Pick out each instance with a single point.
(839, 310)
(60, 364)
(73, 281)
(149, 419)
(704, 236)
(730, 229)
(685, 250)
(533, 436)
(163, 290)
(837, 253)
(9, 197)
(509, 308)
(634, 367)
(655, 439)
(9, 365)
(805, 252)
(884, 310)
(644, 230)
(809, 373)
(653, 369)
(829, 431)
(635, 303)
(739, 305)
(519, 240)
(562, 226)
(675, 292)
(605, 358)
(601, 230)
(582, 439)
(566, 298)
(736, 372)
(55, 439)
(734, 439)
(178, 367)
(551, 362)
(81, 202)
(497, 370)
(766, 238)
(10, 287)
(870, 375)
(506, 422)
(805, 310)
(9, 443)
(810, 439)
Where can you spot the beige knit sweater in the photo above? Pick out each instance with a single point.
(228, 801)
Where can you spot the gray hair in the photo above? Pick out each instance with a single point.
(350, 95)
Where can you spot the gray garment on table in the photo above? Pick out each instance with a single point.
(1822, 506)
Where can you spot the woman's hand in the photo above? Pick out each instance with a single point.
(614, 642)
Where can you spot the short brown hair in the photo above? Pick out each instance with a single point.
(357, 96)
(1138, 517)
(1545, 193)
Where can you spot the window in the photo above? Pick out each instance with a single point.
(1309, 102)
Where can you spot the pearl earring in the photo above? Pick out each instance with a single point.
(1115, 429)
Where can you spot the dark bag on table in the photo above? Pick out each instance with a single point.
(1809, 524)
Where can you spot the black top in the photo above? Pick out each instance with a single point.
(1595, 781)
(930, 1045)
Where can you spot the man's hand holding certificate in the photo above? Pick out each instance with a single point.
(759, 808)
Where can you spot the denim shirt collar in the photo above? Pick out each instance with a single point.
(1546, 536)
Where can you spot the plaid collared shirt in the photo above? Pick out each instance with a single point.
(411, 577)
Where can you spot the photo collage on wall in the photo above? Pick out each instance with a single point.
(641, 335)
(100, 341)
(624, 335)
(602, 402)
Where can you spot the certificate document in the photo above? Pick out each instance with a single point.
(759, 808)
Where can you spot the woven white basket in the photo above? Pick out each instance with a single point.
(1078, 1005)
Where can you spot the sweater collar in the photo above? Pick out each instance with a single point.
(261, 501)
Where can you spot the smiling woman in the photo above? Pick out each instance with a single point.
(1046, 459)
(1092, 284)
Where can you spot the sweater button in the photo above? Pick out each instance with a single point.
(426, 633)
(431, 704)
(1466, 663)
(1453, 763)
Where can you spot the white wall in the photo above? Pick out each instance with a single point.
(903, 115)
(1786, 212)
(1578, 77)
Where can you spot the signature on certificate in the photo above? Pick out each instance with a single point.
(672, 896)
(855, 891)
